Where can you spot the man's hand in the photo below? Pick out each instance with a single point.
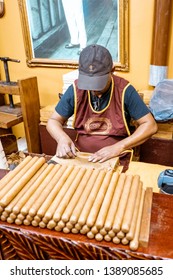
(106, 153)
(65, 148)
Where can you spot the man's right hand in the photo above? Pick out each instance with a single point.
(65, 148)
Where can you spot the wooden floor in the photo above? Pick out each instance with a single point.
(101, 27)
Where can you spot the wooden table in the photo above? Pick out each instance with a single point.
(28, 242)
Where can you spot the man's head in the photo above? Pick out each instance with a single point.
(95, 66)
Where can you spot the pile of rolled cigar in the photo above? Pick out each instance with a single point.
(101, 204)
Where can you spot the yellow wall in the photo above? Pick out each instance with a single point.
(50, 79)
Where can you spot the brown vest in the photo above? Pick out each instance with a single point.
(97, 129)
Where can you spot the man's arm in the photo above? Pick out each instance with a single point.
(146, 128)
(65, 146)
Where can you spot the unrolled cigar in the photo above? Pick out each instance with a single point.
(51, 224)
(57, 228)
(120, 234)
(94, 230)
(3, 218)
(69, 225)
(111, 233)
(99, 237)
(22, 181)
(42, 224)
(107, 238)
(18, 221)
(52, 204)
(66, 230)
(46, 187)
(130, 234)
(61, 224)
(26, 222)
(13, 206)
(45, 220)
(124, 241)
(37, 219)
(122, 204)
(13, 216)
(79, 206)
(60, 177)
(5, 214)
(34, 223)
(103, 231)
(107, 201)
(72, 203)
(29, 218)
(84, 229)
(77, 226)
(10, 175)
(99, 199)
(70, 186)
(116, 240)
(115, 202)
(29, 197)
(74, 230)
(91, 198)
(130, 204)
(134, 243)
(90, 235)
(20, 217)
(21, 172)
(10, 220)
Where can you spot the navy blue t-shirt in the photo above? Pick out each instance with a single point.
(135, 108)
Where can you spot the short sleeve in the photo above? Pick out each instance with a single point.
(134, 104)
(65, 106)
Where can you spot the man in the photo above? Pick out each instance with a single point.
(102, 105)
(76, 24)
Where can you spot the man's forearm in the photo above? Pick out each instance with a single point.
(55, 129)
(141, 134)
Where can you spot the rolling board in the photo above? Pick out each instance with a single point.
(82, 160)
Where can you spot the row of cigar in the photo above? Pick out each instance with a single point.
(101, 204)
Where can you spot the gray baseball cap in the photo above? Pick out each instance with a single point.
(95, 66)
